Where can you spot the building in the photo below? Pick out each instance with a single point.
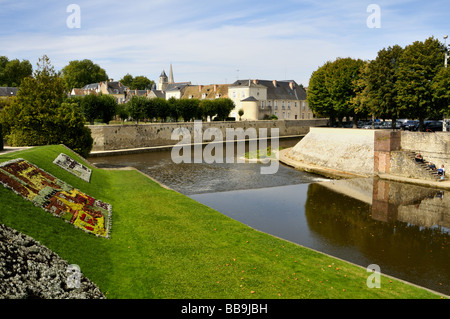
(7, 91)
(260, 99)
(167, 87)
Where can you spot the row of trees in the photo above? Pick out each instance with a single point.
(40, 114)
(12, 72)
(409, 82)
(141, 108)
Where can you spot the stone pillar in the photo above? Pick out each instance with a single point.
(385, 142)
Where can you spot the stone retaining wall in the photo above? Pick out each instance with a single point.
(117, 137)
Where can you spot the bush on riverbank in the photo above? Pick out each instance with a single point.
(166, 245)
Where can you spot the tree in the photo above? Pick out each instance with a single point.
(418, 66)
(224, 106)
(240, 112)
(127, 80)
(137, 107)
(379, 78)
(80, 73)
(188, 108)
(332, 88)
(38, 115)
(441, 92)
(13, 72)
(137, 83)
(161, 108)
(108, 107)
(207, 108)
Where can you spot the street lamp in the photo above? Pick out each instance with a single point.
(445, 50)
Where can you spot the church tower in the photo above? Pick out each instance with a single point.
(171, 81)
(163, 80)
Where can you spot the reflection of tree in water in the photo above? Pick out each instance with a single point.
(413, 252)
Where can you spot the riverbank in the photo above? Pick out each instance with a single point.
(165, 245)
(337, 174)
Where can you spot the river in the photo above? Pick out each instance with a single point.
(404, 229)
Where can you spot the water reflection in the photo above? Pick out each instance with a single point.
(402, 228)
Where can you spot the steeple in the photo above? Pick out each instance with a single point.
(171, 75)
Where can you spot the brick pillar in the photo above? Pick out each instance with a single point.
(385, 142)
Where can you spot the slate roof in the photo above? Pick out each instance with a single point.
(8, 91)
(210, 91)
(282, 90)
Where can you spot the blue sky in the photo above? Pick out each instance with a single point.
(214, 41)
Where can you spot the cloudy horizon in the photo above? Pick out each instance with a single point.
(210, 41)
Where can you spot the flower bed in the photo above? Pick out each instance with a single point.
(72, 166)
(56, 196)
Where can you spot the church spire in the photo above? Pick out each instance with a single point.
(171, 75)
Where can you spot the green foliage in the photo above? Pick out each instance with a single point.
(137, 107)
(98, 107)
(379, 94)
(419, 64)
(38, 115)
(12, 72)
(80, 73)
(333, 86)
(137, 83)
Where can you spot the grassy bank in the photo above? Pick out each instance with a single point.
(166, 245)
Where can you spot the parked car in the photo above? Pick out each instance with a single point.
(410, 125)
(432, 126)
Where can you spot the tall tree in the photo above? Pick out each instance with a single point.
(380, 77)
(39, 116)
(80, 73)
(333, 87)
(13, 72)
(418, 66)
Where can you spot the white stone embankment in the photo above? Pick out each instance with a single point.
(336, 150)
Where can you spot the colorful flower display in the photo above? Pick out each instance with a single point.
(56, 196)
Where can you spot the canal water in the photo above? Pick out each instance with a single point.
(402, 228)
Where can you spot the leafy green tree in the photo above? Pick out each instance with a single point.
(441, 92)
(224, 106)
(39, 116)
(127, 80)
(122, 111)
(172, 105)
(418, 66)
(162, 108)
(137, 83)
(13, 72)
(380, 77)
(319, 100)
(80, 73)
(137, 107)
(207, 108)
(188, 109)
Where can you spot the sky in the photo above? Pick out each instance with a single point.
(214, 42)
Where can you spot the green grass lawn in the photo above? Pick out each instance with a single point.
(166, 245)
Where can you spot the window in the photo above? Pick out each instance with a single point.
(262, 104)
(289, 105)
(284, 115)
(282, 105)
(288, 115)
(233, 94)
(275, 105)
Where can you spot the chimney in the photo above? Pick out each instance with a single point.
(215, 87)
(274, 83)
(291, 85)
(200, 87)
(255, 81)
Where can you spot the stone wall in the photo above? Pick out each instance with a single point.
(119, 137)
(343, 149)
(372, 152)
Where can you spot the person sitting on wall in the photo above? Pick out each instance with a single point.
(441, 171)
(419, 158)
(432, 166)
